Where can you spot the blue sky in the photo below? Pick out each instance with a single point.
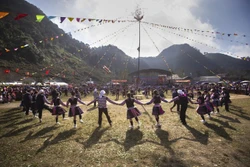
(229, 16)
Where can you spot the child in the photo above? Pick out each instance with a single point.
(202, 109)
(74, 109)
(157, 110)
(57, 109)
(132, 111)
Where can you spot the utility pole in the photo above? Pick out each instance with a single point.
(138, 16)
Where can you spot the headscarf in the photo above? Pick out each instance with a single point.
(41, 91)
(102, 92)
(180, 92)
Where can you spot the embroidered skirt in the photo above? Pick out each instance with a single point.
(57, 110)
(133, 112)
(157, 110)
(75, 110)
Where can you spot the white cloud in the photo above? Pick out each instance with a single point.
(168, 12)
(241, 51)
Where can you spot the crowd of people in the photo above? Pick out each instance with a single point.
(208, 100)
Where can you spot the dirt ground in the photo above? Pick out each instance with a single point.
(222, 141)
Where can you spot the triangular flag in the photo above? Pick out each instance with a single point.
(78, 19)
(26, 45)
(3, 14)
(62, 19)
(138, 49)
(229, 35)
(15, 49)
(40, 41)
(7, 50)
(51, 17)
(235, 34)
(52, 39)
(70, 18)
(39, 18)
(47, 72)
(19, 16)
(90, 20)
(83, 20)
(17, 70)
(22, 47)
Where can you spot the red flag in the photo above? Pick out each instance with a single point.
(47, 72)
(17, 70)
(19, 16)
(7, 71)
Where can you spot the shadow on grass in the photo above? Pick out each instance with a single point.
(16, 131)
(164, 161)
(219, 131)
(133, 137)
(9, 113)
(19, 123)
(238, 111)
(199, 137)
(39, 133)
(94, 138)
(10, 120)
(61, 137)
(224, 124)
(230, 119)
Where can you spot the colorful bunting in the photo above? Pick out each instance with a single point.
(7, 50)
(39, 18)
(62, 19)
(51, 17)
(19, 16)
(47, 72)
(3, 14)
(70, 19)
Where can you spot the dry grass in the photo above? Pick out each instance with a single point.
(223, 141)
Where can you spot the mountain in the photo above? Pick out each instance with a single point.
(52, 54)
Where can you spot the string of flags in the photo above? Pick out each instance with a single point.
(165, 61)
(115, 34)
(216, 37)
(40, 17)
(196, 30)
(236, 56)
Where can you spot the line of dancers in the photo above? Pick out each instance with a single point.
(206, 104)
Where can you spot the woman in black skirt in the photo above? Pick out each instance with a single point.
(57, 109)
(132, 111)
(74, 109)
(157, 109)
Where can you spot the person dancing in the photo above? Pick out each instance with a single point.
(57, 109)
(74, 108)
(157, 109)
(102, 107)
(132, 111)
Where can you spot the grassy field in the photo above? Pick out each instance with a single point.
(223, 141)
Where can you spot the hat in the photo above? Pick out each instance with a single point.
(102, 92)
(41, 91)
(180, 92)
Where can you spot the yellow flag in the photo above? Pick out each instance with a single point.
(70, 18)
(3, 14)
(39, 18)
(52, 39)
